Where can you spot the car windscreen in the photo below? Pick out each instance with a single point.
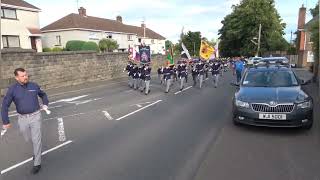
(270, 78)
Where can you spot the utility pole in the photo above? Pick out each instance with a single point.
(259, 40)
(194, 49)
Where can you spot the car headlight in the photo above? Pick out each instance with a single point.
(242, 104)
(305, 105)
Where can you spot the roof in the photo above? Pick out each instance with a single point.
(88, 22)
(307, 26)
(20, 3)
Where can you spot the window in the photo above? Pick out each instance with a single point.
(108, 36)
(8, 13)
(152, 41)
(10, 41)
(130, 38)
(139, 40)
(58, 42)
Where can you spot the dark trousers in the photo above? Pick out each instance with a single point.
(238, 76)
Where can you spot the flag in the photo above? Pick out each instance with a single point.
(206, 50)
(185, 51)
(144, 52)
(170, 60)
(216, 48)
(133, 54)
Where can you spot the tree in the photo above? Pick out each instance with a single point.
(242, 26)
(108, 45)
(192, 41)
(168, 44)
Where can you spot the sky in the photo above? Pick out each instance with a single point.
(167, 17)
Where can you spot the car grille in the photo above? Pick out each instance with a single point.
(280, 108)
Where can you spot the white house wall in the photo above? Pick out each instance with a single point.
(26, 19)
(49, 38)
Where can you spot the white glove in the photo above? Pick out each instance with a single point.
(45, 108)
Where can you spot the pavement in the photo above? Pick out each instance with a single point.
(105, 130)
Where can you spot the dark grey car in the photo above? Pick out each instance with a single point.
(272, 96)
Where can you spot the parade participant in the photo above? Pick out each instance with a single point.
(182, 73)
(200, 70)
(215, 70)
(25, 94)
(167, 73)
(129, 69)
(160, 74)
(131, 75)
(135, 76)
(142, 77)
(147, 73)
(194, 73)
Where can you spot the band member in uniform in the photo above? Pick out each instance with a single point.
(147, 73)
(142, 77)
(215, 70)
(129, 70)
(135, 72)
(194, 73)
(182, 74)
(160, 74)
(167, 73)
(200, 70)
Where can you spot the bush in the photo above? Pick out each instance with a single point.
(57, 49)
(46, 50)
(75, 45)
(90, 46)
(108, 45)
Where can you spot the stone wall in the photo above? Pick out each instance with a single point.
(52, 70)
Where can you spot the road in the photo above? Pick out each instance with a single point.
(108, 131)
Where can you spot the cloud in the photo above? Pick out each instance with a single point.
(165, 17)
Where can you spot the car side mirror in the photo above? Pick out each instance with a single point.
(304, 82)
(235, 84)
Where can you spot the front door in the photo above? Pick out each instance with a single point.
(33, 43)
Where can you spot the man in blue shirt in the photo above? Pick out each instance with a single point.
(25, 94)
(239, 66)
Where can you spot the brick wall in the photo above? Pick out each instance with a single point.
(52, 70)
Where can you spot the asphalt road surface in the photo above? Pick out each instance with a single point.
(108, 131)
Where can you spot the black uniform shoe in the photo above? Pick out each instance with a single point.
(36, 169)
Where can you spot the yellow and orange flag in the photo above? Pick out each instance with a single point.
(206, 50)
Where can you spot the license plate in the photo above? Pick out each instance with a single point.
(273, 116)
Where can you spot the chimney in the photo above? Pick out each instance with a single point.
(82, 12)
(143, 25)
(119, 19)
(302, 18)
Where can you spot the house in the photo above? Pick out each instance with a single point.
(20, 26)
(87, 28)
(304, 43)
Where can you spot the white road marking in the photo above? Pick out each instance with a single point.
(69, 99)
(140, 104)
(107, 115)
(30, 159)
(61, 132)
(65, 116)
(138, 110)
(183, 90)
